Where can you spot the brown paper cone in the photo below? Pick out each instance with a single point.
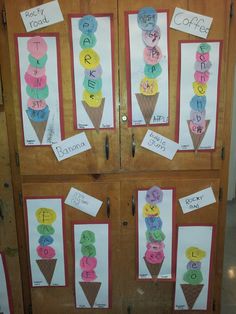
(197, 138)
(191, 293)
(47, 267)
(95, 114)
(154, 269)
(90, 290)
(147, 105)
(39, 128)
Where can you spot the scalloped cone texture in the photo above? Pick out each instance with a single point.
(154, 269)
(90, 290)
(47, 267)
(147, 105)
(191, 293)
(95, 114)
(197, 138)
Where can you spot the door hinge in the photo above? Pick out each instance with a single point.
(223, 153)
(231, 14)
(220, 194)
(17, 158)
(213, 305)
(20, 200)
(30, 309)
(4, 17)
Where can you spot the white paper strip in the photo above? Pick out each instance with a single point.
(159, 144)
(42, 16)
(4, 297)
(71, 146)
(191, 22)
(84, 202)
(193, 267)
(92, 284)
(197, 200)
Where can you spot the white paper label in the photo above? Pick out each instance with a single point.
(159, 144)
(42, 16)
(191, 22)
(84, 202)
(197, 200)
(71, 146)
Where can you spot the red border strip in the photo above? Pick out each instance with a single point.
(63, 234)
(7, 280)
(210, 285)
(70, 16)
(174, 243)
(88, 222)
(61, 115)
(128, 70)
(178, 91)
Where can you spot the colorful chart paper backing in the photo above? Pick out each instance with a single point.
(198, 102)
(166, 207)
(46, 241)
(5, 293)
(88, 117)
(39, 86)
(92, 288)
(135, 73)
(195, 267)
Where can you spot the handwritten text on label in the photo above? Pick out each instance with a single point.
(197, 200)
(191, 23)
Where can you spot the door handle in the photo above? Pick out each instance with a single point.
(133, 205)
(133, 145)
(108, 207)
(107, 148)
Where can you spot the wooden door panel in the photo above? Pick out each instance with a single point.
(61, 299)
(142, 158)
(41, 160)
(148, 296)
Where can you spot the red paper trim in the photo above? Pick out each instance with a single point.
(7, 279)
(88, 222)
(178, 92)
(174, 242)
(60, 96)
(63, 235)
(210, 275)
(75, 15)
(128, 71)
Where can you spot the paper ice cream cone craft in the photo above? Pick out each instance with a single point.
(154, 255)
(46, 252)
(93, 100)
(148, 88)
(37, 89)
(88, 264)
(193, 276)
(198, 124)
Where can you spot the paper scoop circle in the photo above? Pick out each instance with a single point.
(154, 257)
(88, 263)
(87, 237)
(154, 195)
(195, 254)
(147, 18)
(88, 24)
(37, 47)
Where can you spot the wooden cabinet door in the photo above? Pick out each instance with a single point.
(147, 295)
(62, 299)
(104, 155)
(133, 156)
